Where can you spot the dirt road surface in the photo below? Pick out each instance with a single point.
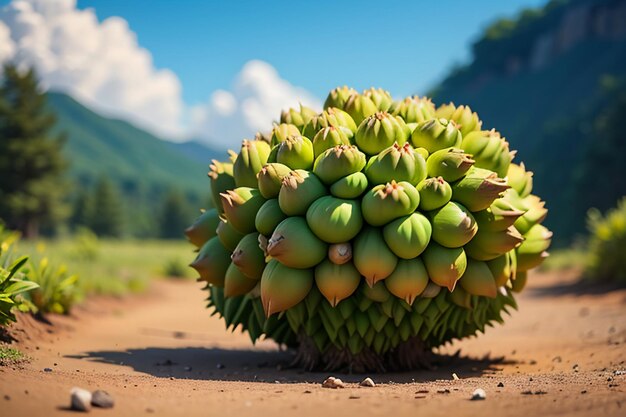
(563, 353)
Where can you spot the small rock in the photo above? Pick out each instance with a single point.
(617, 373)
(80, 399)
(478, 394)
(500, 385)
(308, 392)
(422, 391)
(47, 369)
(443, 391)
(583, 391)
(353, 397)
(332, 382)
(368, 382)
(7, 398)
(533, 362)
(102, 399)
(455, 377)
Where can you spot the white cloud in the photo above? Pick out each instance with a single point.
(102, 65)
(257, 97)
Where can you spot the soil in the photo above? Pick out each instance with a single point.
(562, 353)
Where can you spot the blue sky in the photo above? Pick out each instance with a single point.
(404, 47)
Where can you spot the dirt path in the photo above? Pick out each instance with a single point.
(161, 354)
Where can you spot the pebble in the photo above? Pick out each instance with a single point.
(368, 382)
(500, 385)
(332, 382)
(47, 369)
(80, 399)
(478, 394)
(455, 377)
(102, 399)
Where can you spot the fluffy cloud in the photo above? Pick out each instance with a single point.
(102, 65)
(257, 97)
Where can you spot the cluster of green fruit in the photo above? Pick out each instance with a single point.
(371, 224)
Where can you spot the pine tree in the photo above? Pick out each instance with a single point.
(82, 210)
(32, 189)
(175, 215)
(107, 216)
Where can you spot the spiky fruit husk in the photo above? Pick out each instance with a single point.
(381, 98)
(436, 134)
(403, 297)
(408, 236)
(399, 163)
(359, 107)
(299, 118)
(386, 202)
(434, 192)
(489, 150)
(295, 245)
(334, 220)
(450, 164)
(240, 207)
(380, 131)
(203, 228)
(338, 162)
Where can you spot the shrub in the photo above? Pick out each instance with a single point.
(607, 243)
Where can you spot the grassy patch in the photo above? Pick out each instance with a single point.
(11, 356)
(114, 267)
(561, 259)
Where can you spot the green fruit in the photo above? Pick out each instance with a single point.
(536, 213)
(359, 107)
(478, 279)
(408, 280)
(221, 176)
(338, 162)
(236, 283)
(251, 158)
(332, 116)
(282, 131)
(338, 97)
(212, 262)
(299, 118)
(240, 207)
(334, 220)
(408, 236)
(519, 179)
(450, 164)
(399, 163)
(478, 189)
(444, 265)
(268, 217)
(503, 268)
(203, 228)
(227, 235)
(296, 152)
(379, 131)
(489, 150)
(371, 256)
(248, 257)
(298, 190)
(434, 193)
(453, 225)
(336, 282)
(488, 245)
(350, 186)
(387, 202)
(381, 98)
(283, 287)
(329, 137)
(499, 216)
(520, 281)
(270, 178)
(466, 120)
(533, 249)
(295, 245)
(413, 109)
(436, 134)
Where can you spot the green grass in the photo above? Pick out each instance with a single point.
(561, 259)
(11, 356)
(112, 267)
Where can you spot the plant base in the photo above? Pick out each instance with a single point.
(408, 355)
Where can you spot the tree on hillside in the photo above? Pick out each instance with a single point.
(82, 210)
(31, 161)
(175, 215)
(107, 214)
